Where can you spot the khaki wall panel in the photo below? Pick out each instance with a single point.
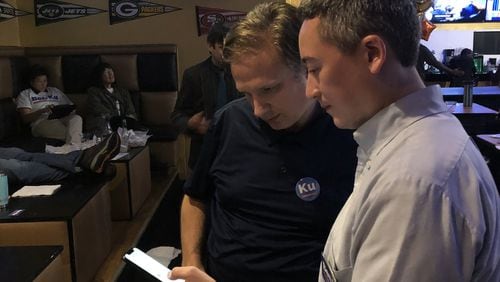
(177, 27)
(9, 29)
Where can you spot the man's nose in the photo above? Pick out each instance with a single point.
(312, 89)
(260, 109)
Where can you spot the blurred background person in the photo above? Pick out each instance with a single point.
(465, 63)
(35, 105)
(205, 88)
(425, 56)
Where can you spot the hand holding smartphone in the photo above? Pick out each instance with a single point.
(148, 264)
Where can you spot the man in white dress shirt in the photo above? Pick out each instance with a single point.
(424, 205)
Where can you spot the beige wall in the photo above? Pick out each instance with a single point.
(177, 27)
(9, 29)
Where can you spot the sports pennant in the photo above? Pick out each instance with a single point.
(8, 12)
(51, 11)
(128, 10)
(207, 17)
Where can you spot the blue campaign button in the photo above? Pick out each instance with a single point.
(307, 189)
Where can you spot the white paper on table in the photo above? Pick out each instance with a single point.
(40, 190)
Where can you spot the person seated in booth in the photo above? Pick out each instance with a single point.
(25, 168)
(36, 105)
(107, 102)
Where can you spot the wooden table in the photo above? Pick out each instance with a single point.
(476, 109)
(489, 144)
(76, 217)
(488, 96)
(493, 140)
(474, 119)
(478, 90)
(132, 183)
(31, 263)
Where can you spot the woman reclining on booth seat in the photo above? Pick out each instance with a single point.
(106, 102)
(24, 168)
(36, 103)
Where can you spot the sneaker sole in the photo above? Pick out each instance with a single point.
(97, 163)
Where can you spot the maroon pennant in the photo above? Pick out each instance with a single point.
(206, 17)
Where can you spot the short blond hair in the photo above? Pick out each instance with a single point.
(268, 24)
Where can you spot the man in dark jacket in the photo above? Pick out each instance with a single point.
(205, 88)
(426, 56)
(465, 63)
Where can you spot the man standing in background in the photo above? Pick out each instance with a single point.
(205, 88)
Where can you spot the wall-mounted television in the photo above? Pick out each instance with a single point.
(458, 11)
(493, 11)
(487, 42)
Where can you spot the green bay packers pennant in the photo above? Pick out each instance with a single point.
(8, 12)
(50, 11)
(128, 10)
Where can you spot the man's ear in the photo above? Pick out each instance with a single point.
(375, 49)
(210, 47)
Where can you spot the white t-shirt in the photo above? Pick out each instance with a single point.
(31, 100)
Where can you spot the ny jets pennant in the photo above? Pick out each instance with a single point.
(51, 11)
(8, 12)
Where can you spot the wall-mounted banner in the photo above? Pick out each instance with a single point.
(207, 17)
(8, 12)
(51, 11)
(128, 10)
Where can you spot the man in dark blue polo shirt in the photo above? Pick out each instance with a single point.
(274, 171)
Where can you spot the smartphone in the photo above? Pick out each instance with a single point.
(148, 264)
